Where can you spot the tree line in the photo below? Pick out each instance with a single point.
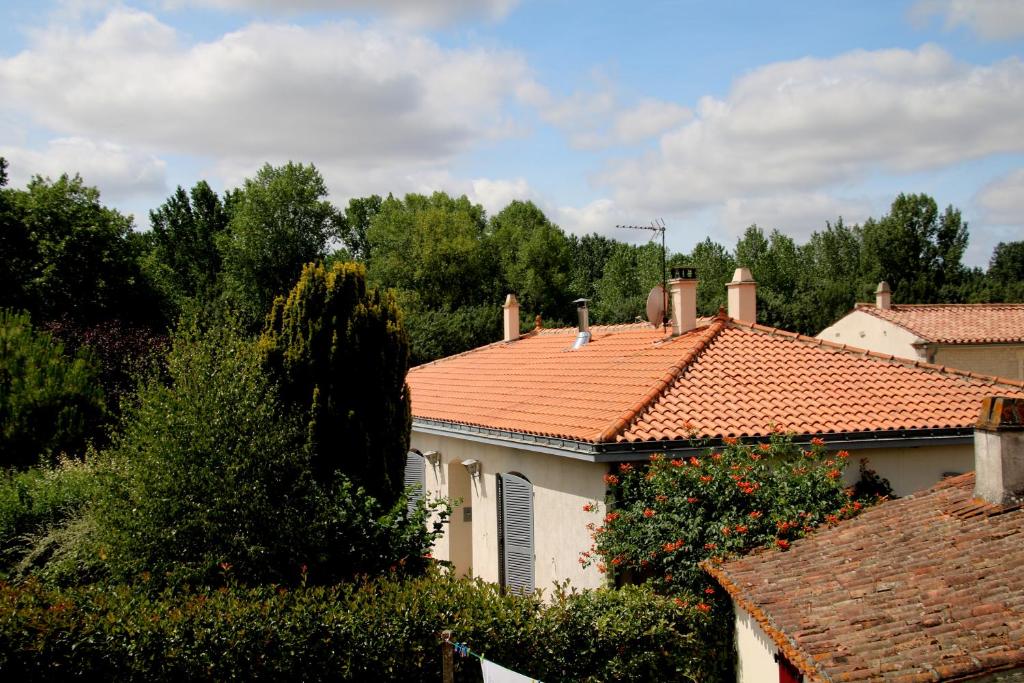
(79, 266)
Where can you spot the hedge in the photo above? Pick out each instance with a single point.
(383, 629)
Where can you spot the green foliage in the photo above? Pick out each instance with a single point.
(1006, 271)
(358, 215)
(341, 354)
(588, 256)
(715, 267)
(382, 630)
(629, 275)
(48, 402)
(184, 261)
(280, 221)
(69, 256)
(666, 518)
(38, 499)
(437, 333)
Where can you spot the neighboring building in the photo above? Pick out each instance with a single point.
(525, 429)
(985, 338)
(926, 588)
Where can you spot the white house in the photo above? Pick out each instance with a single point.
(524, 430)
(925, 588)
(985, 338)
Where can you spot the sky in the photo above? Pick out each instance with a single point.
(709, 116)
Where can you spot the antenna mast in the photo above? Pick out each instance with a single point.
(657, 227)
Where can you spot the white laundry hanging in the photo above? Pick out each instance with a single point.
(494, 673)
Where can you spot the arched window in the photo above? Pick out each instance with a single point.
(515, 532)
(415, 477)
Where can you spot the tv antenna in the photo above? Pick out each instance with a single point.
(654, 307)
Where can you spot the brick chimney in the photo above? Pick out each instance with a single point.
(511, 317)
(683, 289)
(999, 451)
(743, 296)
(883, 296)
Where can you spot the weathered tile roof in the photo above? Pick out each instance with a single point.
(925, 588)
(957, 323)
(726, 378)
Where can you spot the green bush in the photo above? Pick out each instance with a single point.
(48, 401)
(381, 630)
(36, 500)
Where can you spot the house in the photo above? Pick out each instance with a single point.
(925, 588)
(524, 430)
(985, 338)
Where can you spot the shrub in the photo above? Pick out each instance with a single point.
(341, 354)
(382, 630)
(665, 518)
(47, 401)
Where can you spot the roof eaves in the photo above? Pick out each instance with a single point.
(621, 423)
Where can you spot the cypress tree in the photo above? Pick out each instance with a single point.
(339, 351)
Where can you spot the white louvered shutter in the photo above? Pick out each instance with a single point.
(415, 477)
(517, 533)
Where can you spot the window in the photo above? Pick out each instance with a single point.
(515, 532)
(416, 478)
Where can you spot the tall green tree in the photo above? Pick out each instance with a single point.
(184, 259)
(916, 249)
(533, 254)
(280, 220)
(629, 275)
(715, 266)
(833, 279)
(340, 353)
(358, 215)
(775, 263)
(1006, 271)
(588, 256)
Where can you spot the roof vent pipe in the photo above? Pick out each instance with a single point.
(683, 288)
(999, 451)
(883, 296)
(584, 315)
(511, 318)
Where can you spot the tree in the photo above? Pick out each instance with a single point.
(915, 249)
(49, 403)
(17, 251)
(534, 258)
(630, 273)
(358, 217)
(588, 256)
(184, 256)
(340, 353)
(715, 267)
(776, 265)
(1006, 271)
(280, 220)
(833, 279)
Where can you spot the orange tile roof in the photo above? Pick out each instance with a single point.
(725, 378)
(957, 323)
(925, 588)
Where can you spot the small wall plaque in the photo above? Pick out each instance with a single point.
(467, 514)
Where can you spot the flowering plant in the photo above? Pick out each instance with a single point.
(666, 517)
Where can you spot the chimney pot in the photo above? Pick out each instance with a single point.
(511, 318)
(584, 318)
(999, 451)
(743, 296)
(883, 296)
(683, 290)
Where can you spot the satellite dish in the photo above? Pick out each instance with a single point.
(656, 306)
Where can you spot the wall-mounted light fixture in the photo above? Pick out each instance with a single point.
(473, 467)
(432, 457)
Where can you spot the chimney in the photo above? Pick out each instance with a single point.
(883, 296)
(511, 317)
(683, 288)
(584, 315)
(743, 296)
(999, 451)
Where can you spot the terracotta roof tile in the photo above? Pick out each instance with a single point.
(957, 323)
(724, 379)
(907, 589)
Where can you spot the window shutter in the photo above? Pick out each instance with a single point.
(415, 476)
(516, 520)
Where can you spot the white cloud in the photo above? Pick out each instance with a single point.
(809, 124)
(332, 92)
(989, 19)
(1003, 200)
(797, 215)
(649, 118)
(600, 216)
(118, 172)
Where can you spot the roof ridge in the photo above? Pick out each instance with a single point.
(619, 425)
(888, 357)
(467, 352)
(1012, 304)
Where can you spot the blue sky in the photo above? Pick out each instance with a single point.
(710, 116)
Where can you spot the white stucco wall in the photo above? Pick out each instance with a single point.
(913, 469)
(865, 331)
(561, 487)
(755, 651)
(1001, 360)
